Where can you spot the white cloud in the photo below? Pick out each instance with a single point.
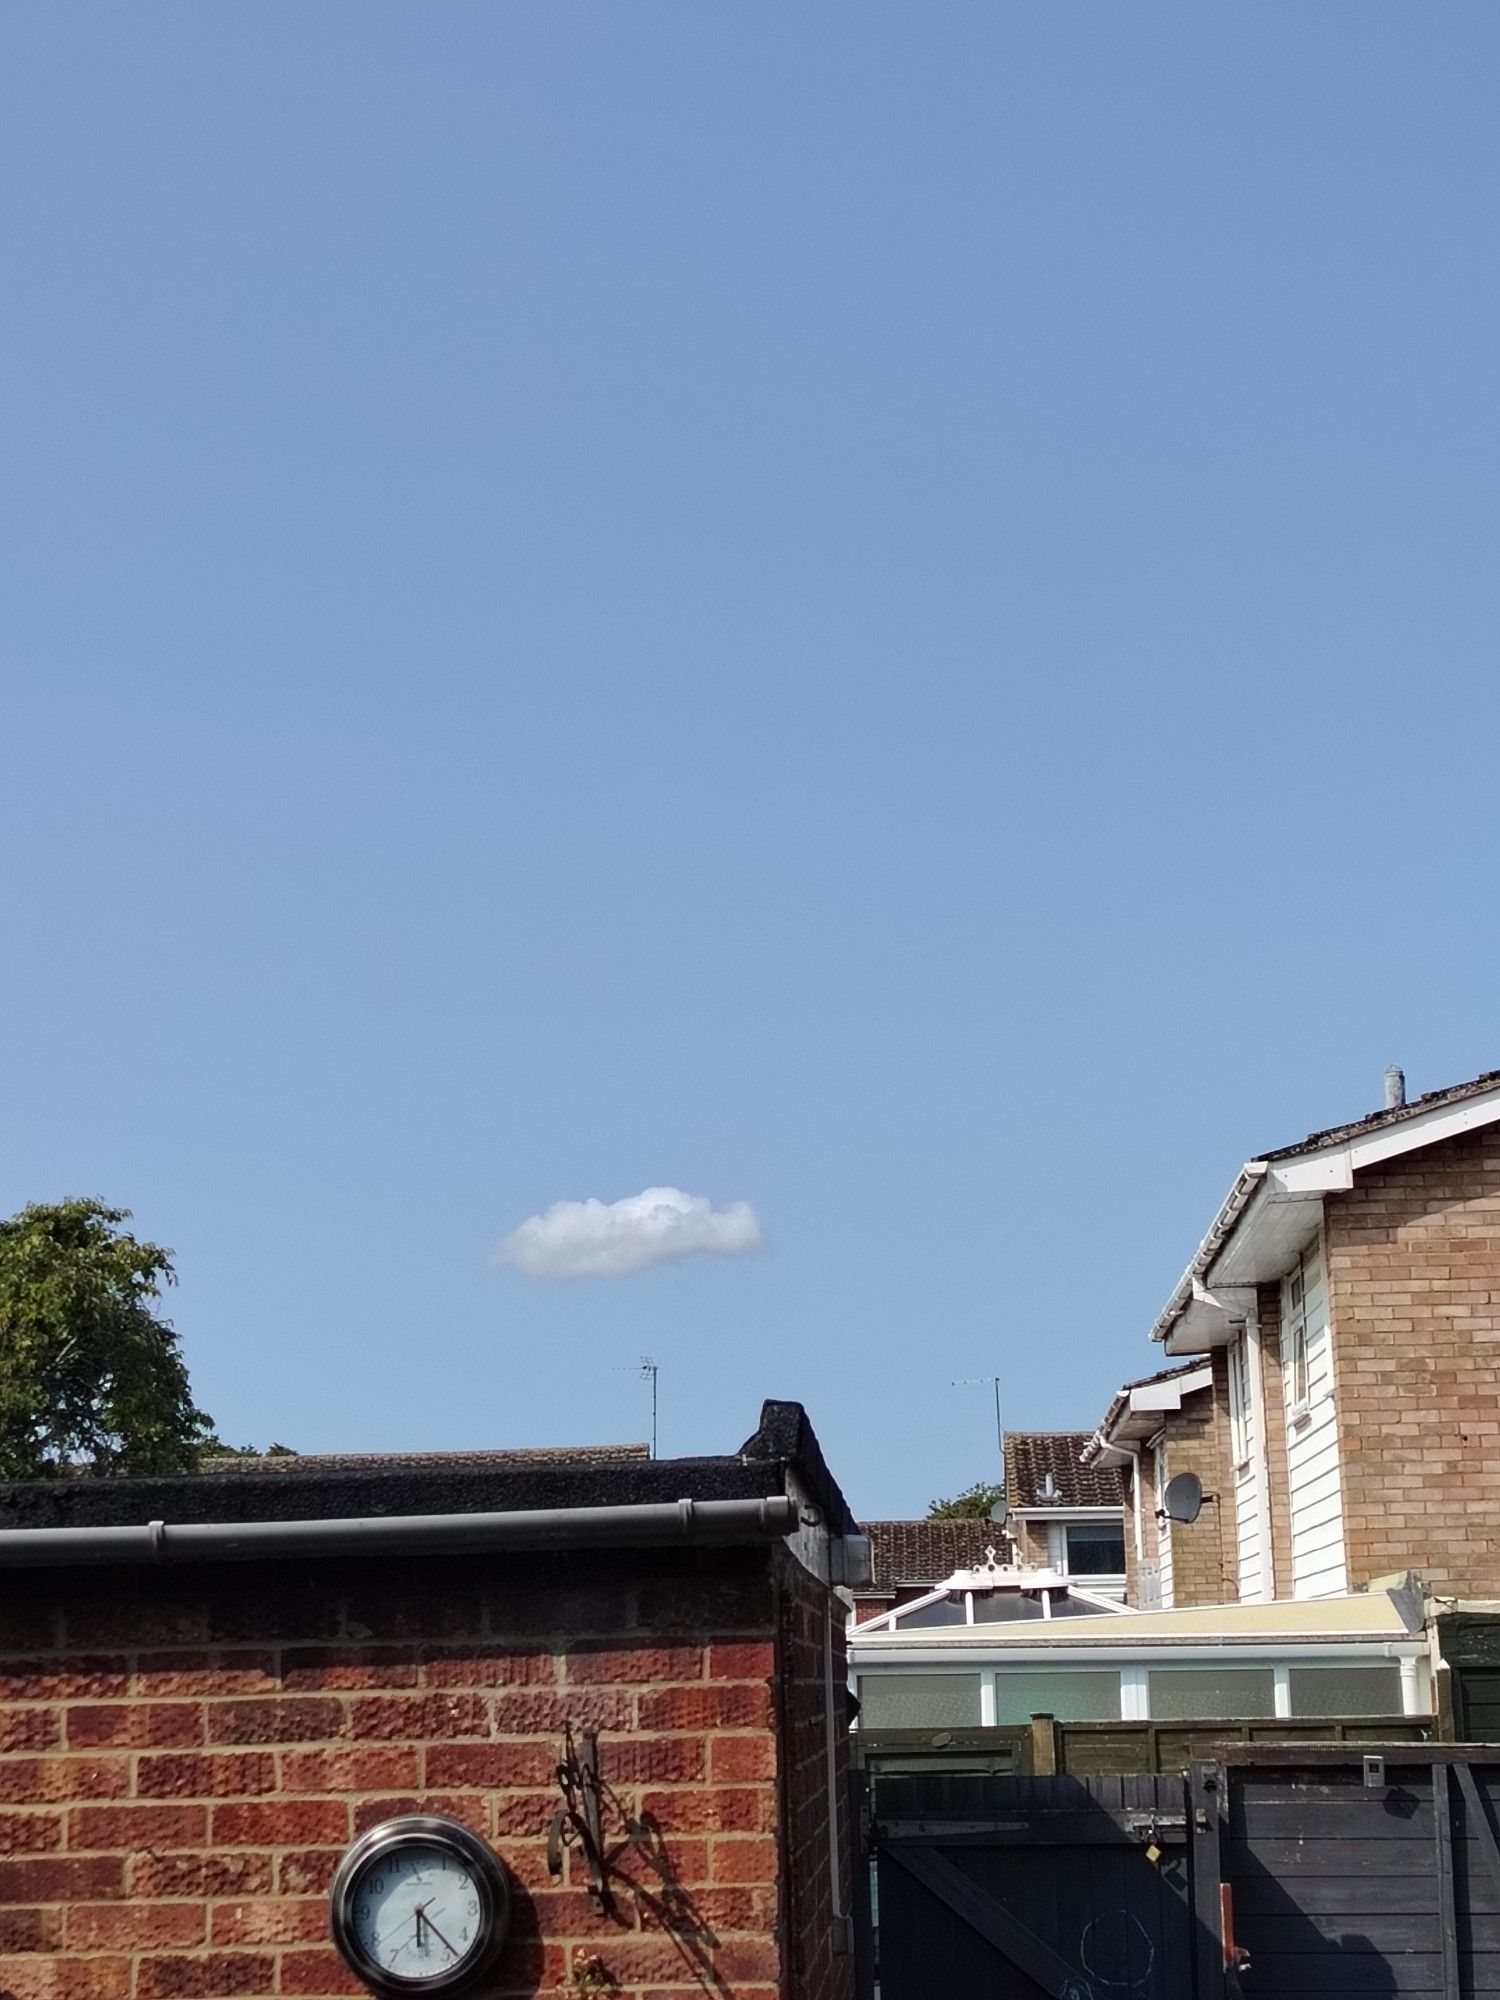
(609, 1239)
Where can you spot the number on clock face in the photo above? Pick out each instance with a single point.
(416, 1911)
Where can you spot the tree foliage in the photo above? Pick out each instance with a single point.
(91, 1378)
(973, 1504)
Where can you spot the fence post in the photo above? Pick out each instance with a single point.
(864, 1861)
(1208, 1810)
(1044, 1746)
(1446, 1692)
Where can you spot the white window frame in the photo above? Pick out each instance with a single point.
(1062, 1532)
(1239, 1403)
(1296, 1377)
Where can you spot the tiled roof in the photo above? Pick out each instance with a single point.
(1030, 1456)
(927, 1552)
(1455, 1093)
(437, 1461)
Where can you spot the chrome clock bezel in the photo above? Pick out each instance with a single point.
(490, 1879)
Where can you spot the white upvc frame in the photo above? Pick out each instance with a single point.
(1296, 1389)
(1135, 1683)
(1135, 1694)
(1239, 1403)
(1281, 1703)
(1044, 1584)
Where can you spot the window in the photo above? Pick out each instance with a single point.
(1005, 1607)
(1294, 1336)
(1346, 1690)
(1217, 1694)
(1079, 1696)
(1239, 1401)
(1095, 1549)
(919, 1701)
(947, 1611)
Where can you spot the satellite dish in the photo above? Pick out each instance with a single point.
(1183, 1498)
(999, 1512)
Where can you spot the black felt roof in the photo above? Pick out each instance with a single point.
(346, 1486)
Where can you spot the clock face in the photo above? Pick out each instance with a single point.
(419, 1906)
(416, 1911)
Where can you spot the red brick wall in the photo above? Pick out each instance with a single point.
(184, 1757)
(1414, 1282)
(819, 1962)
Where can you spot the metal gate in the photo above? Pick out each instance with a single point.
(1068, 1888)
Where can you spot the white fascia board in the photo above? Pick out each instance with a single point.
(1153, 1397)
(1335, 1167)
(1141, 1418)
(1323, 1173)
(1063, 1515)
(1176, 1653)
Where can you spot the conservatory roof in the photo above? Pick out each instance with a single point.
(1303, 1621)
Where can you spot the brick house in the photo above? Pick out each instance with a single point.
(212, 1684)
(1155, 1428)
(910, 1558)
(1342, 1402)
(1064, 1513)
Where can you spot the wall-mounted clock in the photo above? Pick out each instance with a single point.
(419, 1905)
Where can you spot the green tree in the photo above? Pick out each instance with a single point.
(91, 1379)
(973, 1504)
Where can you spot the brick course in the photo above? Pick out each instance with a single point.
(186, 1756)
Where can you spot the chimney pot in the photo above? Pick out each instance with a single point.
(1395, 1088)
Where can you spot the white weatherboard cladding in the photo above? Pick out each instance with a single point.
(1163, 1526)
(1249, 1468)
(1314, 1493)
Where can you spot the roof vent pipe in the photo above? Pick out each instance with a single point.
(1395, 1088)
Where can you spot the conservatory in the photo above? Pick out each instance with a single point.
(999, 1644)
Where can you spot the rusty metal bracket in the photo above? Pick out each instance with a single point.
(579, 1822)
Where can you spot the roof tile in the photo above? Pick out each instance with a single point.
(927, 1552)
(1034, 1457)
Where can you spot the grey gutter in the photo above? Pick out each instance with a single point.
(702, 1522)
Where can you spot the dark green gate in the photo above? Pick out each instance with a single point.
(1067, 1888)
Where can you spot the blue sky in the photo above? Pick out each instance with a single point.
(885, 613)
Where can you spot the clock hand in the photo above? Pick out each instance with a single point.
(385, 1937)
(439, 1936)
